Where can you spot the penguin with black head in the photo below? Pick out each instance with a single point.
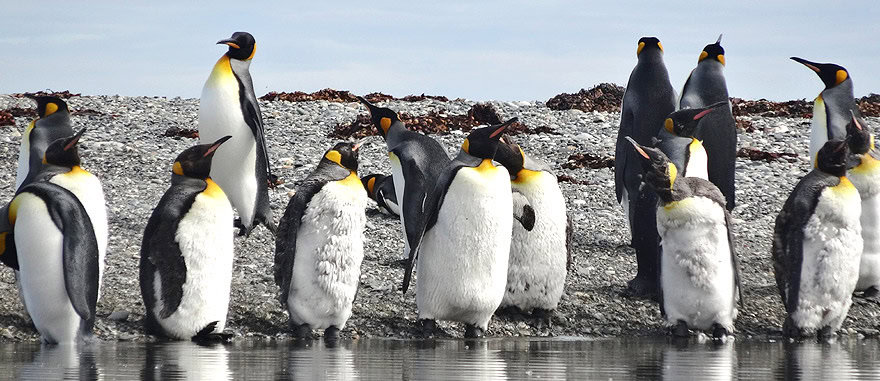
(864, 172)
(678, 140)
(380, 188)
(53, 123)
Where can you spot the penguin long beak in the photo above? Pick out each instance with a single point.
(718, 42)
(855, 120)
(74, 140)
(358, 144)
(709, 109)
(496, 134)
(638, 148)
(367, 103)
(229, 42)
(216, 145)
(809, 64)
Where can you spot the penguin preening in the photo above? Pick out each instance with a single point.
(677, 139)
(380, 188)
(833, 107)
(228, 106)
(699, 274)
(540, 247)
(417, 161)
(648, 99)
(186, 253)
(864, 172)
(706, 86)
(53, 123)
(464, 245)
(320, 244)
(817, 245)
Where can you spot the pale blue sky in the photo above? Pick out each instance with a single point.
(502, 50)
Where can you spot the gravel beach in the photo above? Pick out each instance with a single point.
(126, 149)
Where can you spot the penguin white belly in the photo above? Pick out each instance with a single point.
(329, 252)
(867, 182)
(24, 152)
(697, 275)
(462, 266)
(399, 186)
(818, 128)
(537, 266)
(205, 238)
(234, 164)
(831, 253)
(41, 261)
(88, 190)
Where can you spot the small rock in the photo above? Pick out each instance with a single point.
(119, 315)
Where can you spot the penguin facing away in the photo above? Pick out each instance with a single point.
(817, 245)
(464, 247)
(228, 106)
(380, 188)
(678, 140)
(833, 107)
(864, 172)
(699, 274)
(706, 86)
(56, 253)
(540, 252)
(53, 123)
(417, 161)
(320, 245)
(186, 253)
(648, 99)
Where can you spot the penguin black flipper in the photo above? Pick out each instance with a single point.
(523, 211)
(252, 116)
(569, 236)
(285, 240)
(8, 254)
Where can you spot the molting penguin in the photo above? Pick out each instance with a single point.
(678, 140)
(380, 188)
(417, 161)
(540, 246)
(834, 107)
(229, 107)
(864, 172)
(699, 274)
(320, 244)
(464, 247)
(817, 244)
(649, 98)
(186, 254)
(54, 248)
(706, 86)
(53, 123)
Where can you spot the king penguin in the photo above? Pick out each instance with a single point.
(417, 161)
(56, 253)
(540, 247)
(186, 253)
(864, 172)
(648, 99)
(833, 107)
(678, 140)
(817, 245)
(229, 107)
(320, 244)
(464, 247)
(699, 276)
(380, 188)
(706, 86)
(53, 123)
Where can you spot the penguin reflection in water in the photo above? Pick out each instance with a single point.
(464, 247)
(320, 245)
(699, 276)
(817, 244)
(186, 254)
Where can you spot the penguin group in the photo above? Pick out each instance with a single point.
(485, 233)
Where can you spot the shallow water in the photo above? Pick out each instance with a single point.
(649, 358)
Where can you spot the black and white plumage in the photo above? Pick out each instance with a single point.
(53, 123)
(186, 253)
(320, 244)
(380, 188)
(817, 245)
(864, 172)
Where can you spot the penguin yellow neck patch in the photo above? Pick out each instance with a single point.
(840, 77)
(352, 181)
(486, 166)
(51, 108)
(334, 156)
(212, 189)
(77, 171)
(672, 172)
(254, 51)
(845, 187)
(868, 165)
(177, 169)
(13, 210)
(222, 69)
(525, 176)
(385, 123)
(695, 145)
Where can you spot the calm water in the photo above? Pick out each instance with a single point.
(446, 359)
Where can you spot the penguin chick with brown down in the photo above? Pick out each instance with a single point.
(817, 245)
(699, 270)
(864, 171)
(320, 245)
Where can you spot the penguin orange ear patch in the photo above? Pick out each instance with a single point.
(465, 146)
(254, 51)
(669, 125)
(641, 46)
(659, 45)
(334, 156)
(703, 56)
(841, 76)
(385, 123)
(177, 169)
(51, 108)
(721, 59)
(371, 183)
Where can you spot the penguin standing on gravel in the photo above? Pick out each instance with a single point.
(186, 253)
(229, 107)
(705, 86)
(649, 98)
(380, 188)
(834, 107)
(540, 248)
(417, 161)
(699, 274)
(320, 245)
(464, 247)
(53, 123)
(817, 245)
(864, 172)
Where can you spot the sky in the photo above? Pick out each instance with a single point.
(478, 50)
